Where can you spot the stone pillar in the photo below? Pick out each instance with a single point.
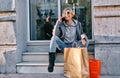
(107, 35)
(7, 36)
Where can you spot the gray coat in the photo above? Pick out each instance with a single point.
(59, 30)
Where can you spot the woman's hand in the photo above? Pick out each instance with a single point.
(83, 41)
(61, 19)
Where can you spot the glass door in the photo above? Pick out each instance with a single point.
(43, 16)
(44, 13)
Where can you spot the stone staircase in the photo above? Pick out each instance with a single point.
(35, 59)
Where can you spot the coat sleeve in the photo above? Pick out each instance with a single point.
(83, 35)
(81, 29)
(56, 30)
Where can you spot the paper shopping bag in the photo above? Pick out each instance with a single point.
(95, 68)
(76, 64)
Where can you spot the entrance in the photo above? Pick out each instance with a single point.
(44, 14)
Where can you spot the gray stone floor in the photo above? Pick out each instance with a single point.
(31, 76)
(42, 76)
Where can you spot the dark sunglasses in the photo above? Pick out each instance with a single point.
(67, 12)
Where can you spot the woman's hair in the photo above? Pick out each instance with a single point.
(71, 11)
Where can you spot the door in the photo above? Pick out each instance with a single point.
(43, 15)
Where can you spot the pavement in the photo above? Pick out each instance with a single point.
(32, 76)
(51, 75)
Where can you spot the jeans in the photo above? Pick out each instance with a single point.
(56, 42)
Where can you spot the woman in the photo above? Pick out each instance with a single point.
(66, 33)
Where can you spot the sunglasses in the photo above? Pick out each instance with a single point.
(68, 12)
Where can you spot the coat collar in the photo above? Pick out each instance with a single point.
(74, 23)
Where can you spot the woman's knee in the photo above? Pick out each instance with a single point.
(54, 38)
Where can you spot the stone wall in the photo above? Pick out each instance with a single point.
(107, 35)
(7, 36)
(7, 5)
(13, 33)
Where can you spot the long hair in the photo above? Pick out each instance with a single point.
(64, 11)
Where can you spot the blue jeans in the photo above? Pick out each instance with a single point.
(56, 42)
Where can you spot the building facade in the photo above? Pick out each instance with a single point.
(23, 43)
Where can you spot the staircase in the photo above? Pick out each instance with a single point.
(35, 59)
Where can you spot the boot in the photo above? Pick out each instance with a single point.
(51, 61)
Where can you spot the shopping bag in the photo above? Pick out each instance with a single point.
(76, 64)
(95, 68)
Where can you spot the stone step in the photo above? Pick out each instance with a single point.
(43, 46)
(38, 46)
(43, 57)
(37, 67)
(40, 57)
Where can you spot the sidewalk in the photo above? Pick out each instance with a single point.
(31, 76)
(42, 76)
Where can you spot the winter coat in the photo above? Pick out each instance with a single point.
(59, 30)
